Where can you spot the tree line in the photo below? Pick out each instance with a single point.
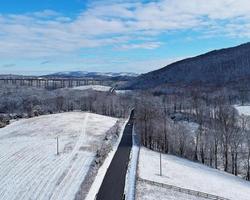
(22, 101)
(220, 139)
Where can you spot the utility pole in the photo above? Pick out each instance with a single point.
(160, 166)
(57, 146)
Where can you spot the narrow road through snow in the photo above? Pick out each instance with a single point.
(112, 187)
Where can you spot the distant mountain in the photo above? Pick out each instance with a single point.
(216, 68)
(14, 76)
(80, 74)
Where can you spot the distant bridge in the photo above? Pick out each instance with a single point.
(52, 83)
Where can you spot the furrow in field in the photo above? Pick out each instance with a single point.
(72, 178)
(24, 167)
(43, 178)
(32, 177)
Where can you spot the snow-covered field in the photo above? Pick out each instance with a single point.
(186, 174)
(123, 91)
(243, 110)
(29, 166)
(93, 87)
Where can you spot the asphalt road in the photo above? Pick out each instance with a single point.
(112, 187)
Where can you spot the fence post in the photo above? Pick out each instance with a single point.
(57, 146)
(160, 166)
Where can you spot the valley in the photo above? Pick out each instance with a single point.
(125, 100)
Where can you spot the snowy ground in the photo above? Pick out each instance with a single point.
(152, 192)
(186, 174)
(93, 87)
(100, 88)
(243, 110)
(29, 166)
(123, 91)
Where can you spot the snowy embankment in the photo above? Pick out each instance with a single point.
(100, 88)
(132, 168)
(103, 169)
(29, 166)
(243, 110)
(186, 174)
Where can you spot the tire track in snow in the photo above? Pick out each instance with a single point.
(65, 183)
(52, 176)
(81, 138)
(71, 179)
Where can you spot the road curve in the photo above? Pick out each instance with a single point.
(113, 184)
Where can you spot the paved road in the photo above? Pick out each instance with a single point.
(112, 187)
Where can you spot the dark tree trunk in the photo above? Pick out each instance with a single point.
(236, 164)
(216, 156)
(196, 149)
(211, 157)
(248, 166)
(202, 155)
(226, 159)
(233, 165)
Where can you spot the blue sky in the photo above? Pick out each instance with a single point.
(40, 37)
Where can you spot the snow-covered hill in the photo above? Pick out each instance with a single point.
(100, 88)
(243, 110)
(29, 166)
(186, 174)
(93, 74)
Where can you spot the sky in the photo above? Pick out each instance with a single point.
(42, 37)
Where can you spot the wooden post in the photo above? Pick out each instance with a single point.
(160, 166)
(57, 146)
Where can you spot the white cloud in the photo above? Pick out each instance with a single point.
(45, 14)
(146, 45)
(126, 25)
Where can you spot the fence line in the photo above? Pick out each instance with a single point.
(183, 190)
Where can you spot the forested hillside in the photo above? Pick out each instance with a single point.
(216, 68)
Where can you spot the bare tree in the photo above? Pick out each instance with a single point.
(227, 121)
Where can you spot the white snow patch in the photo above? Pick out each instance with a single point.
(243, 110)
(29, 166)
(100, 88)
(123, 91)
(190, 175)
